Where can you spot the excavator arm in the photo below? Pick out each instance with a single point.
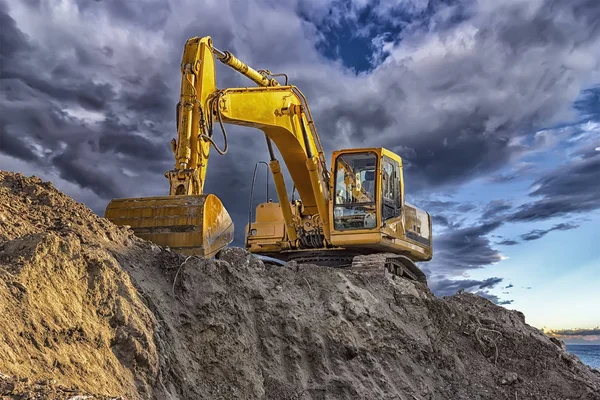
(281, 112)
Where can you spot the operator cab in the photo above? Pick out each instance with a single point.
(365, 182)
(368, 209)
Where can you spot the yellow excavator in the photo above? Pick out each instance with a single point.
(355, 216)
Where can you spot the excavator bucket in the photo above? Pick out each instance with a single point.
(193, 225)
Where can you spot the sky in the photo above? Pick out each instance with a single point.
(493, 106)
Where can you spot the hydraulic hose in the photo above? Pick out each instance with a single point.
(215, 104)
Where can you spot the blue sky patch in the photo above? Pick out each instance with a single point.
(351, 37)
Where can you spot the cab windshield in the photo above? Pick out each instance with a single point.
(355, 180)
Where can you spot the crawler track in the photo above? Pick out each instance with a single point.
(396, 264)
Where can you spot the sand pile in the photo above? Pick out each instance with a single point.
(89, 309)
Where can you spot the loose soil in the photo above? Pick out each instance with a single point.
(90, 311)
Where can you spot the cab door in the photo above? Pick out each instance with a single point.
(391, 200)
(355, 202)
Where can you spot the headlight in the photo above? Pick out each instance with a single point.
(253, 232)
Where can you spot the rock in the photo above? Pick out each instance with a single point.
(559, 343)
(509, 378)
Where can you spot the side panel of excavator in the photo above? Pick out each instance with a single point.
(193, 225)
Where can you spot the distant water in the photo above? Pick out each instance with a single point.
(588, 353)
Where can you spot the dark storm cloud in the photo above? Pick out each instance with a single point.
(494, 208)
(439, 162)
(444, 221)
(536, 234)
(448, 287)
(589, 103)
(439, 205)
(79, 117)
(502, 178)
(447, 214)
(131, 91)
(572, 178)
(586, 152)
(148, 14)
(588, 11)
(153, 99)
(87, 94)
(573, 188)
(441, 220)
(440, 143)
(372, 115)
(74, 169)
(135, 145)
(12, 40)
(462, 249)
(447, 206)
(493, 298)
(138, 150)
(521, 171)
(452, 139)
(540, 233)
(10, 144)
(465, 207)
(432, 156)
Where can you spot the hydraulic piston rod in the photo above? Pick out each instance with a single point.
(229, 59)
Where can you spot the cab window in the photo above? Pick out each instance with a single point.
(355, 188)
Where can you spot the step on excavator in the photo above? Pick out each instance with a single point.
(354, 216)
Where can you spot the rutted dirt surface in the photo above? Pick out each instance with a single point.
(88, 309)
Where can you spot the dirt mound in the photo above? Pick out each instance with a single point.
(92, 309)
